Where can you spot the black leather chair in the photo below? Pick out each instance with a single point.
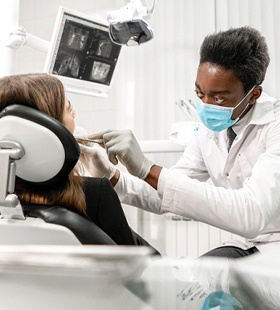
(84, 230)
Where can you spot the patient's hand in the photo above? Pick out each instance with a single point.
(95, 160)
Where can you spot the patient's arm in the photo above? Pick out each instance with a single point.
(105, 210)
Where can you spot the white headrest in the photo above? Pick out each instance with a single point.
(51, 151)
(44, 153)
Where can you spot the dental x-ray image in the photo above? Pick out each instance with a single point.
(77, 38)
(99, 71)
(85, 53)
(81, 53)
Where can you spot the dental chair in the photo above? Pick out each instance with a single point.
(42, 260)
(41, 151)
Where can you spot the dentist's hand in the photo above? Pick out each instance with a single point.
(96, 162)
(121, 145)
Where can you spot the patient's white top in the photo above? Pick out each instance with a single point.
(244, 194)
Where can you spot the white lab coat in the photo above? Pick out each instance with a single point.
(244, 196)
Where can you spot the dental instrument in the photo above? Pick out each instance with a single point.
(99, 141)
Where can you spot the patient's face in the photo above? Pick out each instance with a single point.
(69, 115)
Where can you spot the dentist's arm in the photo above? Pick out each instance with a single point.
(122, 145)
(153, 176)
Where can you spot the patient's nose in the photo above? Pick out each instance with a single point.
(73, 112)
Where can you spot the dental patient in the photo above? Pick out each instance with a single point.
(92, 198)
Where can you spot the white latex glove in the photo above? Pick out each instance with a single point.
(96, 162)
(121, 145)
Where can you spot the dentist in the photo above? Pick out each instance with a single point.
(237, 147)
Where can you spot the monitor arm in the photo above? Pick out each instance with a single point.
(19, 37)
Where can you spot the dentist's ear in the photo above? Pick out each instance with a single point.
(256, 93)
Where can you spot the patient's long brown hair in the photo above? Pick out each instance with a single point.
(45, 93)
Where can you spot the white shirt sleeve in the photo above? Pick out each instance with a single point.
(138, 193)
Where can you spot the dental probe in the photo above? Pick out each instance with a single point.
(99, 141)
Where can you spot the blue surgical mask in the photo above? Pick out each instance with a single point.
(217, 118)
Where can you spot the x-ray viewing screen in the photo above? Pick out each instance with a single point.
(82, 53)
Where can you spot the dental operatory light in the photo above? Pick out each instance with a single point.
(127, 26)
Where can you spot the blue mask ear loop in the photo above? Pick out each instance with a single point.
(238, 118)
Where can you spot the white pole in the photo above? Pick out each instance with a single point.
(9, 17)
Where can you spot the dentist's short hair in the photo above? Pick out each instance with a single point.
(243, 50)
